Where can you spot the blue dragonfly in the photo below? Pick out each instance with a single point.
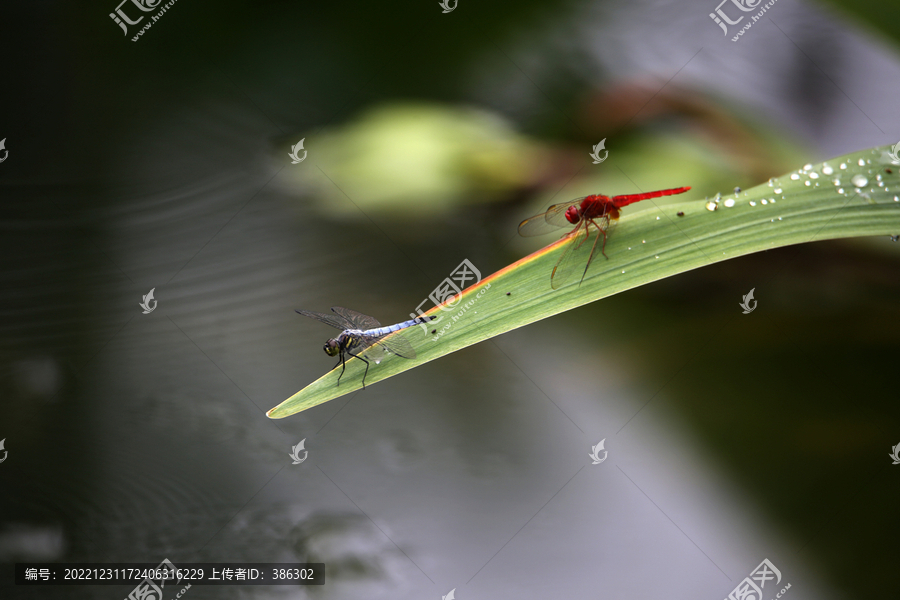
(362, 332)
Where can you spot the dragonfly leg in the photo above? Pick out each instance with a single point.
(600, 230)
(603, 231)
(367, 366)
(343, 364)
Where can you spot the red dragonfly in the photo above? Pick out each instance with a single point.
(597, 210)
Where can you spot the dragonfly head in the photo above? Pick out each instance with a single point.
(332, 347)
(572, 215)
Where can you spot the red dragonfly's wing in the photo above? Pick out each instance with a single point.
(567, 263)
(592, 233)
(550, 220)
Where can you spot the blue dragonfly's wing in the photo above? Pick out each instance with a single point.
(336, 321)
(378, 346)
(395, 344)
(357, 320)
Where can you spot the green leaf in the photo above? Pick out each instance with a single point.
(854, 195)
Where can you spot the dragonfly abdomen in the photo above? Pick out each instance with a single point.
(382, 331)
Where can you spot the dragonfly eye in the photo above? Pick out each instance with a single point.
(332, 348)
(572, 215)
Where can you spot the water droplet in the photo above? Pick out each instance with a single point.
(794, 176)
(779, 218)
(752, 203)
(896, 198)
(777, 190)
(836, 181)
(771, 182)
(657, 256)
(806, 182)
(894, 238)
(878, 177)
(861, 162)
(737, 191)
(840, 191)
(772, 200)
(657, 218)
(729, 203)
(826, 170)
(859, 180)
(814, 175)
(711, 205)
(843, 165)
(764, 201)
(807, 167)
(643, 241)
(623, 270)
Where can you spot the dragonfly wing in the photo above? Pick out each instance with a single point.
(396, 344)
(567, 263)
(356, 320)
(334, 320)
(373, 350)
(550, 220)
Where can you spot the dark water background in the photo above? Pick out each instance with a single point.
(162, 164)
